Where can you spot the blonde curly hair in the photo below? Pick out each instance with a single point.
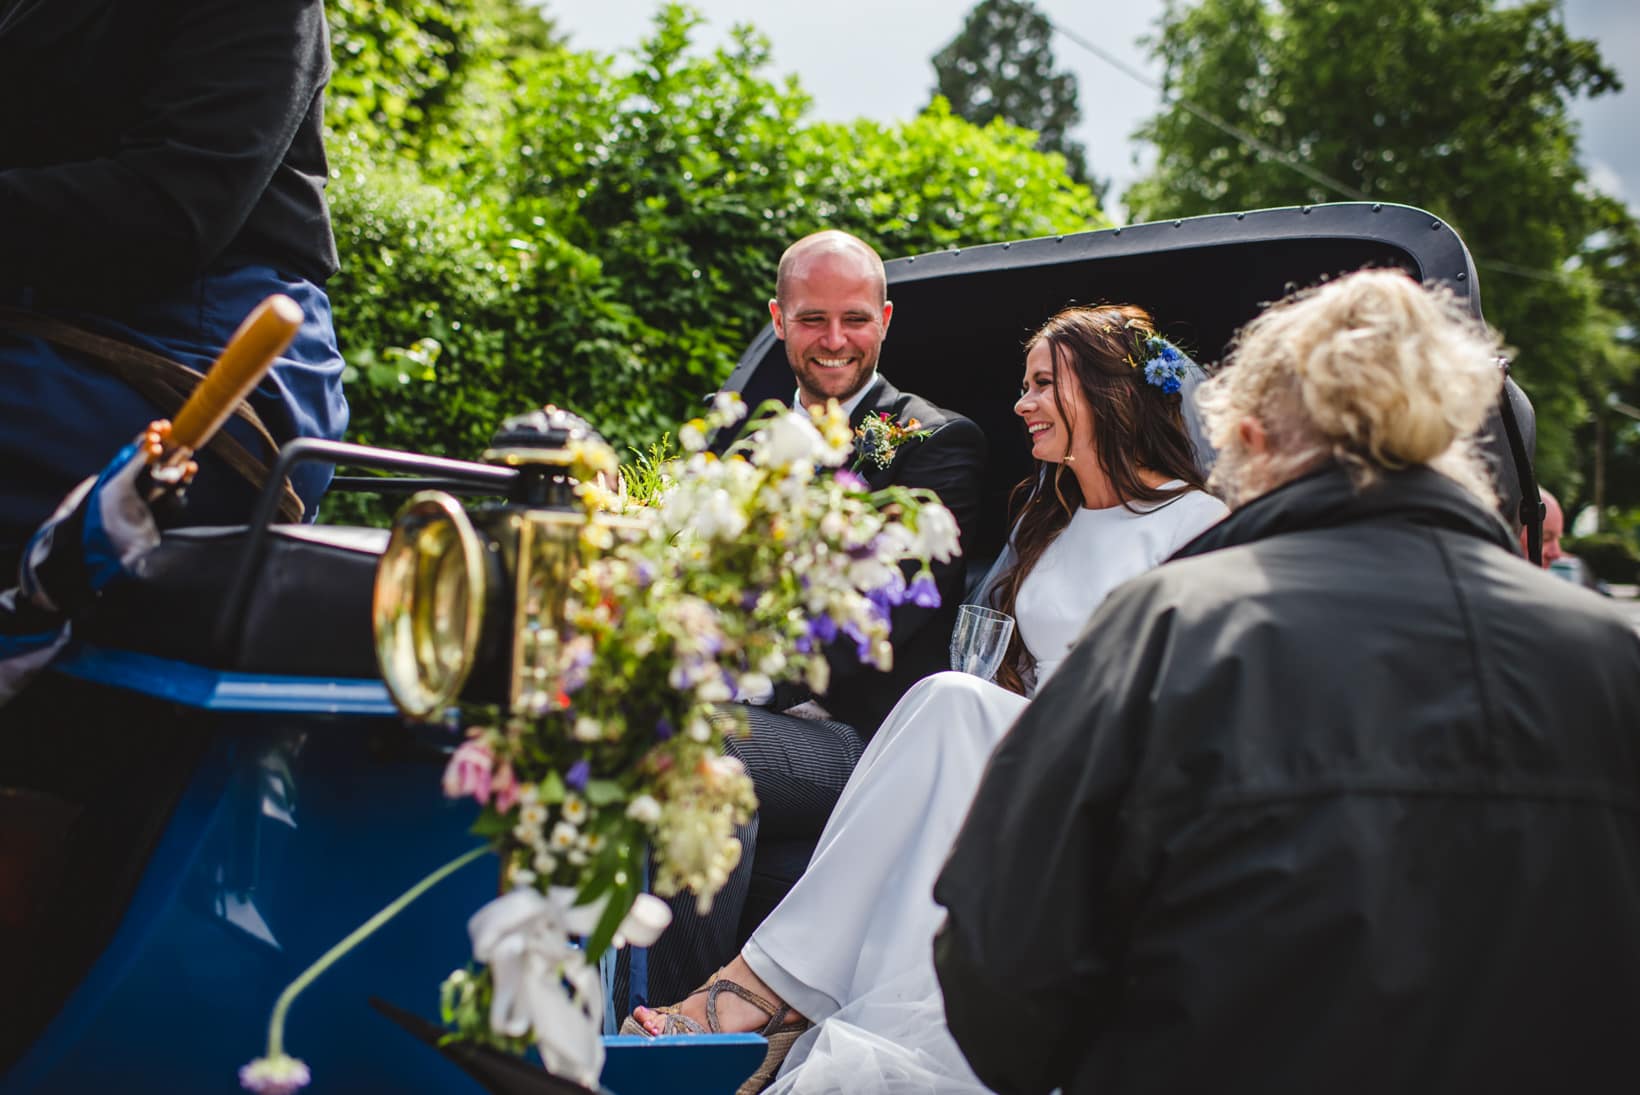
(1372, 370)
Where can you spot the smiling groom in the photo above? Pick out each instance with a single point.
(831, 309)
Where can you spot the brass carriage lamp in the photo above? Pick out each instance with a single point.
(469, 604)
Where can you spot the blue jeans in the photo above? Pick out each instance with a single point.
(62, 419)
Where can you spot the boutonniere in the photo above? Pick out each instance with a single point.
(879, 437)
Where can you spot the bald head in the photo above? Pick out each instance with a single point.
(1554, 526)
(828, 244)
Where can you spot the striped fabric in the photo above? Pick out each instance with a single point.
(799, 767)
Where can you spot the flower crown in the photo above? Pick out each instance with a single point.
(1162, 362)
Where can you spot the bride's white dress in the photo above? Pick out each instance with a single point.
(851, 947)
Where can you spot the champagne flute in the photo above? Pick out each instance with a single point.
(979, 640)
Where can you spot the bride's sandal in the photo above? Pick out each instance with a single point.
(779, 1031)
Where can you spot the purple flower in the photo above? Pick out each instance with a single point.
(923, 592)
(643, 572)
(1171, 386)
(850, 480)
(664, 728)
(804, 644)
(748, 600)
(862, 641)
(863, 551)
(823, 628)
(882, 601)
(578, 774)
(574, 676)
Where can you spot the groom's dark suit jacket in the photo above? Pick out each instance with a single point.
(950, 462)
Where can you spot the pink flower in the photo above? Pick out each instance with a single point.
(505, 786)
(468, 772)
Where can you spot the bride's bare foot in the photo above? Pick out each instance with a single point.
(734, 1014)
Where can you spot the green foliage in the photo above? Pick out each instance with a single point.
(1457, 106)
(939, 181)
(1612, 557)
(1001, 65)
(602, 232)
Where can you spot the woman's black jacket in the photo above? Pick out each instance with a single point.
(1346, 798)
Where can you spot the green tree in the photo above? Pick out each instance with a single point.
(1609, 441)
(602, 232)
(1457, 106)
(1001, 65)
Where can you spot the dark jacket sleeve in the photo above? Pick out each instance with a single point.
(230, 88)
(1030, 954)
(950, 462)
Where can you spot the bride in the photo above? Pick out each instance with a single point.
(1116, 491)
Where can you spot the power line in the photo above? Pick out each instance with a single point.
(1214, 120)
(1287, 159)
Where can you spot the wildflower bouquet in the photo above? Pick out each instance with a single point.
(743, 569)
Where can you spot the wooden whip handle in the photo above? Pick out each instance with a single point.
(244, 361)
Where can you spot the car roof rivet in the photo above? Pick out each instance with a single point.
(1377, 207)
(1463, 275)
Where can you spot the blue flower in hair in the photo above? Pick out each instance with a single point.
(1164, 364)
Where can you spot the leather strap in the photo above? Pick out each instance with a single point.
(164, 383)
(1532, 509)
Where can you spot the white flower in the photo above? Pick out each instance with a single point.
(755, 684)
(718, 517)
(699, 729)
(533, 815)
(936, 533)
(895, 541)
(789, 440)
(773, 662)
(882, 655)
(728, 408)
(576, 857)
(564, 835)
(522, 876)
(872, 573)
(819, 675)
(574, 809)
(692, 435)
(713, 690)
(588, 728)
(545, 864)
(644, 810)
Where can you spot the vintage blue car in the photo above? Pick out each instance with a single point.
(212, 786)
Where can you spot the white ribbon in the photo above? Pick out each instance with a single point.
(542, 982)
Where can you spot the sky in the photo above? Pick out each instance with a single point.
(870, 58)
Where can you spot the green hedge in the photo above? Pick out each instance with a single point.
(522, 223)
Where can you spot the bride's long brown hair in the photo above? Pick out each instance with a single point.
(1136, 427)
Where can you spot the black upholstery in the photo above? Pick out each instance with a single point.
(308, 612)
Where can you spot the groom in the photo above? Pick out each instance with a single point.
(831, 309)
